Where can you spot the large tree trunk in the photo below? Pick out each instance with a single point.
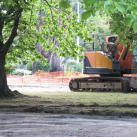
(4, 47)
(4, 89)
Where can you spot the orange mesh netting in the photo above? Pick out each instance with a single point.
(46, 77)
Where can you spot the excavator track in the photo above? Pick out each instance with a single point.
(115, 84)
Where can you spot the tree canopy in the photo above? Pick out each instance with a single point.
(123, 15)
(23, 17)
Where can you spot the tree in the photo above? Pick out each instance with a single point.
(18, 20)
(122, 12)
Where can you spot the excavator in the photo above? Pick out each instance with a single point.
(114, 63)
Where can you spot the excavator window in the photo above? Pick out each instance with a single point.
(112, 39)
(135, 56)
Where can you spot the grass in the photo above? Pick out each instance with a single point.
(89, 100)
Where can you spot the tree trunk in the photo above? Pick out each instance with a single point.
(4, 89)
(34, 67)
(51, 57)
(4, 47)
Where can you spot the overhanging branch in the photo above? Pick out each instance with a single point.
(14, 31)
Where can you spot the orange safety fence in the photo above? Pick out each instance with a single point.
(46, 77)
(49, 77)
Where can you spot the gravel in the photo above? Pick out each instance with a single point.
(52, 125)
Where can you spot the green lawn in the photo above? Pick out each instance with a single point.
(77, 101)
(87, 98)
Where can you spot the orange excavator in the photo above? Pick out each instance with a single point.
(115, 65)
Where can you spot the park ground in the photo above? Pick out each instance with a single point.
(52, 110)
(58, 99)
(64, 125)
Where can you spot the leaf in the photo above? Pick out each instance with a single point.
(122, 2)
(133, 21)
(106, 4)
(129, 16)
(130, 49)
(132, 13)
(129, 8)
(86, 15)
(135, 27)
(119, 52)
(99, 5)
(121, 9)
(64, 4)
(134, 9)
(127, 21)
(111, 9)
(89, 2)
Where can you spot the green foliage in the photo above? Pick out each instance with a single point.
(86, 15)
(126, 34)
(30, 31)
(123, 23)
(73, 66)
(89, 2)
(123, 16)
(102, 27)
(64, 4)
(29, 66)
(8, 68)
(40, 66)
(17, 73)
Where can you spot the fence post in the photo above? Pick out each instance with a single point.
(62, 76)
(40, 78)
(24, 79)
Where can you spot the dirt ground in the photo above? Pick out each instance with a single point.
(61, 125)
(51, 87)
(51, 120)
(49, 125)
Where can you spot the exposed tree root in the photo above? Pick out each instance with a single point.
(9, 94)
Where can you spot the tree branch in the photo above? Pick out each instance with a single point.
(50, 10)
(13, 32)
(1, 27)
(31, 13)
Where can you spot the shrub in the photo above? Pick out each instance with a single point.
(40, 66)
(18, 73)
(8, 68)
(73, 66)
(29, 66)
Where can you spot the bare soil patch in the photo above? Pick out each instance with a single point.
(65, 110)
(64, 125)
(50, 107)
